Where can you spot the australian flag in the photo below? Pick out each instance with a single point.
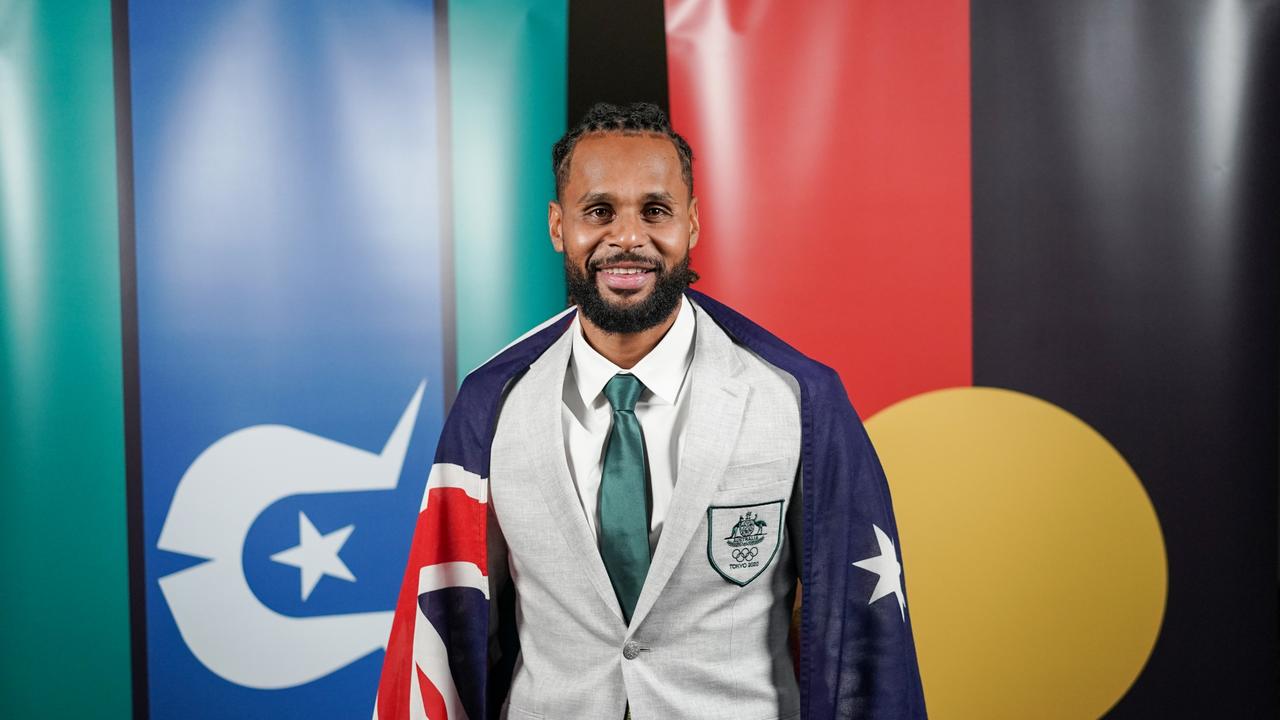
(857, 655)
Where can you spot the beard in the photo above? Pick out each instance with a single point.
(668, 287)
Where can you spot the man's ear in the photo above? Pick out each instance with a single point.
(554, 228)
(694, 227)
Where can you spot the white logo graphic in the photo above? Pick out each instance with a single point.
(885, 565)
(217, 501)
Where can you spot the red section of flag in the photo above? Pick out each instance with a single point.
(457, 525)
(832, 171)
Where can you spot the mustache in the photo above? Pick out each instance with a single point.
(627, 257)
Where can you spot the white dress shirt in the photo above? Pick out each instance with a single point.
(662, 409)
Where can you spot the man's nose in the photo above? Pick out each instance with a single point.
(630, 232)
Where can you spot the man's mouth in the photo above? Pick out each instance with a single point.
(626, 276)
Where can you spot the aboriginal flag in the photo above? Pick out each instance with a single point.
(1038, 241)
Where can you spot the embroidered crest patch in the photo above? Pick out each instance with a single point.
(742, 539)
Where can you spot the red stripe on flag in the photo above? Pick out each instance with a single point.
(432, 700)
(832, 143)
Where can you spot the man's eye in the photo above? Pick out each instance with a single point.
(599, 213)
(656, 211)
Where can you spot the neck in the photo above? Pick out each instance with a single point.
(626, 349)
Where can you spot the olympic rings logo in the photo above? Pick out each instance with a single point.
(745, 554)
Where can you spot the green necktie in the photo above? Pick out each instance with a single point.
(624, 517)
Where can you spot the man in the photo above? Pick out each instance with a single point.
(645, 480)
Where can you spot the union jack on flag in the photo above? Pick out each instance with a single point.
(447, 570)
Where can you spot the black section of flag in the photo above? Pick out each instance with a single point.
(617, 54)
(1124, 254)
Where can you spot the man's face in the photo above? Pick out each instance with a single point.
(625, 223)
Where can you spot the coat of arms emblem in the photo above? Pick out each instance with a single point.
(749, 530)
(740, 549)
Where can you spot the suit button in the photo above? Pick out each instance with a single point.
(631, 650)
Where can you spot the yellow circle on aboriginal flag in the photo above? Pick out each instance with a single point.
(1035, 567)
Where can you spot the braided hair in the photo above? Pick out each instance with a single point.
(635, 119)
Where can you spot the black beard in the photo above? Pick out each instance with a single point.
(669, 286)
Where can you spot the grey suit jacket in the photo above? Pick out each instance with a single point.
(708, 638)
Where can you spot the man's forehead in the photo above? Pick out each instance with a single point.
(616, 162)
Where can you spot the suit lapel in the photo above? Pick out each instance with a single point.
(544, 443)
(716, 407)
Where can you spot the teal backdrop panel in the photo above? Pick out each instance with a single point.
(508, 78)
(64, 609)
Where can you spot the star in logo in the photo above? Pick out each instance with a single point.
(316, 555)
(885, 565)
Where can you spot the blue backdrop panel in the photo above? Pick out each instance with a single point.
(290, 323)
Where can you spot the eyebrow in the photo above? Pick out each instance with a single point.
(591, 198)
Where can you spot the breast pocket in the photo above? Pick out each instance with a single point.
(756, 474)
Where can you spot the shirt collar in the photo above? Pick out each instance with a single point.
(662, 371)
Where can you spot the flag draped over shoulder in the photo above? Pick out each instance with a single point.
(857, 656)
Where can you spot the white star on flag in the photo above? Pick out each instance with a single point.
(316, 555)
(885, 565)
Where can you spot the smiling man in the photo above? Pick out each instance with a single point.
(650, 481)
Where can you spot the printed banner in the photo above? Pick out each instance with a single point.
(291, 325)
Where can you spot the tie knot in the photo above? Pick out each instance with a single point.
(622, 392)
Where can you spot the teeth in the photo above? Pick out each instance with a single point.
(624, 271)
